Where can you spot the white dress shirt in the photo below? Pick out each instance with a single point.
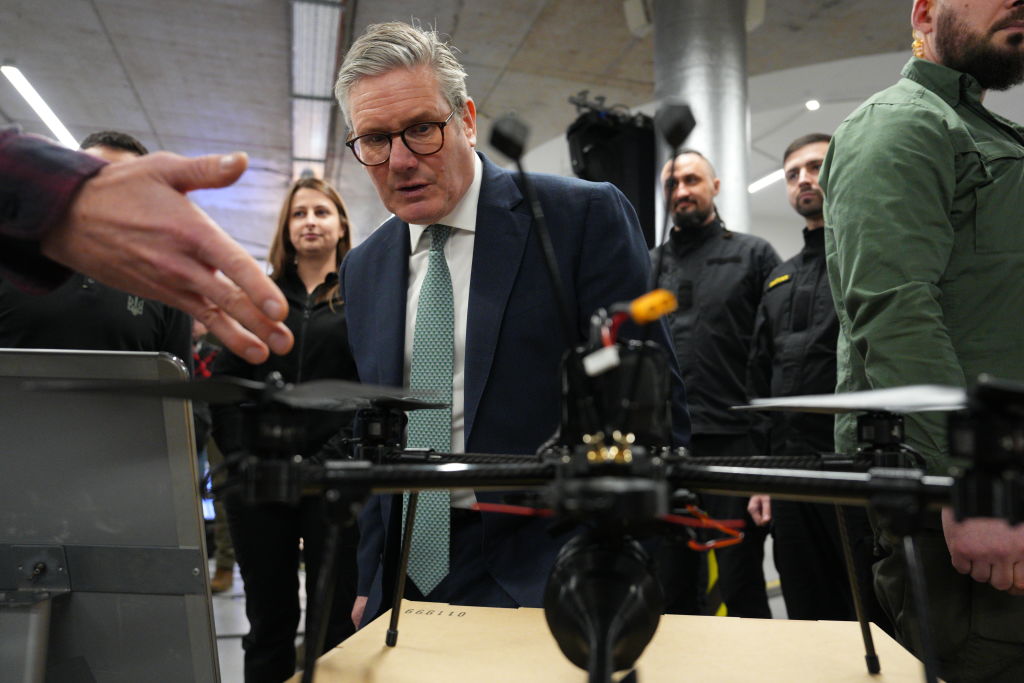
(458, 252)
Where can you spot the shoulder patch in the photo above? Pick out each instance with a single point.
(778, 281)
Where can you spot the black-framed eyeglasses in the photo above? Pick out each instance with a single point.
(423, 138)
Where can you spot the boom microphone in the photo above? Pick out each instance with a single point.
(674, 121)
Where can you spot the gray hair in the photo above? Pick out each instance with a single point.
(393, 45)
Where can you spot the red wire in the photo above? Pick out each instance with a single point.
(522, 510)
(732, 535)
(617, 321)
(700, 519)
(706, 523)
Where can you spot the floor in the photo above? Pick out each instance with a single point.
(230, 622)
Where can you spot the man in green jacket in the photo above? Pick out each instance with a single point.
(924, 237)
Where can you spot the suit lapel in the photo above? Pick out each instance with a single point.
(391, 268)
(501, 236)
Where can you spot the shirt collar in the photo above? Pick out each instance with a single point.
(949, 84)
(463, 216)
(687, 238)
(814, 240)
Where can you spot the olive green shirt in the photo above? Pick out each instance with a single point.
(924, 218)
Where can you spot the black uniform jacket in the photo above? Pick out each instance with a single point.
(320, 352)
(85, 314)
(794, 350)
(718, 277)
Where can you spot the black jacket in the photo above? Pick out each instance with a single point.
(320, 352)
(85, 314)
(718, 277)
(794, 351)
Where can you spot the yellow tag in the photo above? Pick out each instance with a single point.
(778, 281)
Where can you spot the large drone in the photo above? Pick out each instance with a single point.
(610, 470)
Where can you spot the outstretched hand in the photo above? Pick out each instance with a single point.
(988, 549)
(132, 227)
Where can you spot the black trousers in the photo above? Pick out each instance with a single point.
(679, 572)
(266, 539)
(740, 567)
(809, 555)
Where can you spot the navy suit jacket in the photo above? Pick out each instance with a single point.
(514, 342)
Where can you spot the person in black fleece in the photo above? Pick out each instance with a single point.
(312, 238)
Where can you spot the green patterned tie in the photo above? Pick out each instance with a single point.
(433, 351)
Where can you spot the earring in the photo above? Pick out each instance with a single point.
(917, 47)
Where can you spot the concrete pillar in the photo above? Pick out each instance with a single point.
(700, 56)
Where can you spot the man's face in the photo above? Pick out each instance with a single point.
(692, 198)
(801, 168)
(984, 38)
(417, 189)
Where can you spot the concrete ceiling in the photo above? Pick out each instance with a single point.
(209, 76)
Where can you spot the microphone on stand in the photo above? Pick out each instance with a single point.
(509, 136)
(674, 121)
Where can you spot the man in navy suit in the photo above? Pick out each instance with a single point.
(413, 127)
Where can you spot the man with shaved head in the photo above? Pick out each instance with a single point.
(718, 276)
(925, 247)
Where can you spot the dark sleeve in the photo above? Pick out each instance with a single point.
(767, 262)
(759, 376)
(344, 302)
(371, 544)
(38, 181)
(178, 336)
(202, 421)
(371, 523)
(615, 266)
(227, 418)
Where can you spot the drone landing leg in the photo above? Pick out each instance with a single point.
(917, 588)
(870, 656)
(600, 667)
(396, 605)
(338, 515)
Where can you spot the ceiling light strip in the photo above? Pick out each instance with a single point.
(314, 45)
(770, 179)
(39, 106)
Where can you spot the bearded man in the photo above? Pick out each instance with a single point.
(925, 248)
(718, 278)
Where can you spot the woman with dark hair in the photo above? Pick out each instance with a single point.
(312, 237)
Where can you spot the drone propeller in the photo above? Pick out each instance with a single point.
(326, 394)
(919, 398)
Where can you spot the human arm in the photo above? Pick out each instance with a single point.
(891, 252)
(130, 226)
(890, 184)
(760, 363)
(759, 378)
(370, 552)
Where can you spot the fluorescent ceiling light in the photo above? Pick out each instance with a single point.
(314, 46)
(311, 120)
(812, 105)
(39, 106)
(760, 184)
